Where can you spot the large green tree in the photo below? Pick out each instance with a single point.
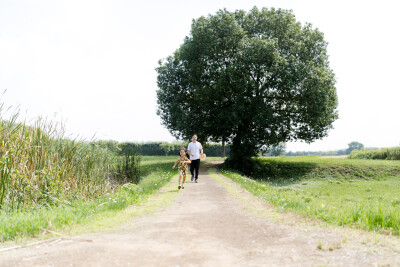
(250, 78)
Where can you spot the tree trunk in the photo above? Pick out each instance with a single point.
(240, 154)
(223, 148)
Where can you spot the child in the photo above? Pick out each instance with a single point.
(182, 167)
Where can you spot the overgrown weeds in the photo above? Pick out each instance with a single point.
(48, 180)
(392, 153)
(39, 166)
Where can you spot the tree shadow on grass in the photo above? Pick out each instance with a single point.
(278, 173)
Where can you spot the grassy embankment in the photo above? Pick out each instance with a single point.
(364, 194)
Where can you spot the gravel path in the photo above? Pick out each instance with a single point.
(213, 223)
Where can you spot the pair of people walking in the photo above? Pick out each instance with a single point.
(195, 150)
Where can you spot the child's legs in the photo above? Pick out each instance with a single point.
(180, 177)
(183, 176)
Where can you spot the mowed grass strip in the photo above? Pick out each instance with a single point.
(362, 194)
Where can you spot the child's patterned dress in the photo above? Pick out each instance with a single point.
(182, 166)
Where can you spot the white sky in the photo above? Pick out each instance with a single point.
(92, 63)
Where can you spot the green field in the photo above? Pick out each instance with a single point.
(360, 193)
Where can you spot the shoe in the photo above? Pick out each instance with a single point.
(195, 180)
(191, 179)
(179, 187)
(183, 187)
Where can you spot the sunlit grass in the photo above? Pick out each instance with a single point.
(370, 202)
(152, 159)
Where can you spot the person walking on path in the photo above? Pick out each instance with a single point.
(182, 162)
(194, 150)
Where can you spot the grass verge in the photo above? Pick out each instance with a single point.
(361, 194)
(103, 211)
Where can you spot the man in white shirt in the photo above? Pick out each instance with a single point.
(194, 151)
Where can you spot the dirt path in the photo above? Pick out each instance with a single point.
(213, 223)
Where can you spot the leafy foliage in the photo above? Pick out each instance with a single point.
(157, 148)
(354, 146)
(250, 78)
(150, 148)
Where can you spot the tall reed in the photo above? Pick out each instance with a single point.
(128, 168)
(40, 166)
(392, 153)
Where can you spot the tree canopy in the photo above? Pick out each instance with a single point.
(354, 146)
(251, 78)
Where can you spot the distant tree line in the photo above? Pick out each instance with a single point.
(211, 149)
(351, 146)
(274, 151)
(157, 148)
(315, 153)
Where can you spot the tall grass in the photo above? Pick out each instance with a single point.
(128, 168)
(20, 223)
(39, 166)
(49, 181)
(392, 153)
